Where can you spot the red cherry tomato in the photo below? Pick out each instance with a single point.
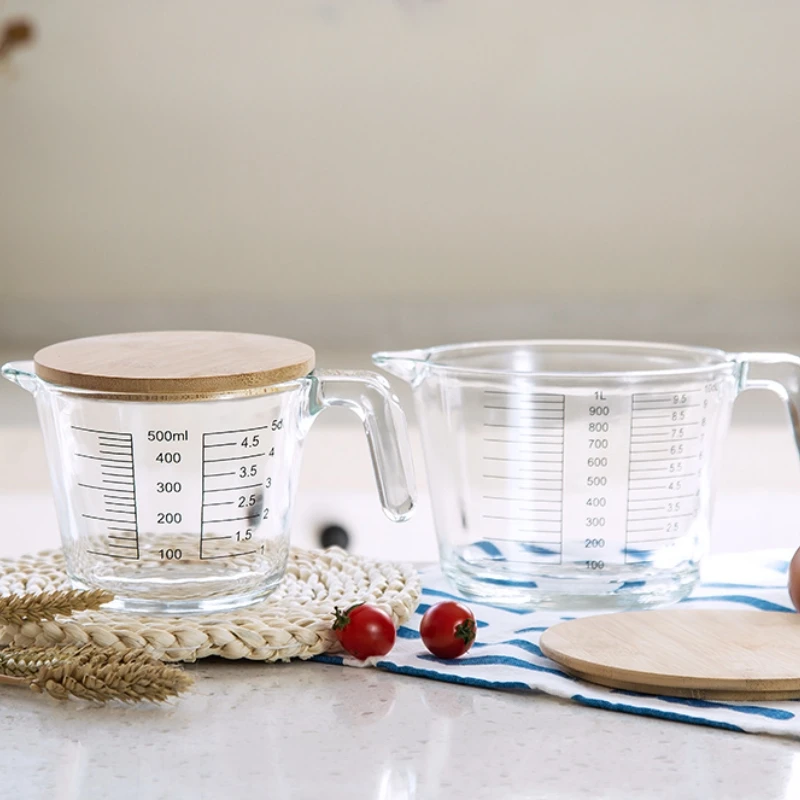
(448, 629)
(794, 580)
(365, 631)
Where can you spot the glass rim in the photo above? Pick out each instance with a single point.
(716, 360)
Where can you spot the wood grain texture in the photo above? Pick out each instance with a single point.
(700, 653)
(193, 364)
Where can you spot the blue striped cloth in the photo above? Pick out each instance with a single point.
(506, 654)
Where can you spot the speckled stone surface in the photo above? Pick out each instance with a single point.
(305, 730)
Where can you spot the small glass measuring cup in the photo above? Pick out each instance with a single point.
(577, 473)
(180, 500)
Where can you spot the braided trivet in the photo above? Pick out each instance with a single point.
(294, 622)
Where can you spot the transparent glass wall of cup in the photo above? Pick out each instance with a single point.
(186, 506)
(577, 474)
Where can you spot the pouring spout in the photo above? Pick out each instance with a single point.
(22, 373)
(405, 364)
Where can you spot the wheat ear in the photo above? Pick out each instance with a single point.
(15, 609)
(92, 673)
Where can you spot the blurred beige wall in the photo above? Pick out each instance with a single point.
(401, 150)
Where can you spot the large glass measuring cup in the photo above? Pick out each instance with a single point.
(577, 473)
(182, 502)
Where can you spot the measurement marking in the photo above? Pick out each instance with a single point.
(217, 475)
(518, 519)
(657, 450)
(116, 474)
(558, 436)
(668, 407)
(645, 488)
(526, 541)
(112, 555)
(122, 546)
(673, 425)
(628, 485)
(232, 519)
(521, 408)
(117, 503)
(520, 427)
(231, 555)
(122, 538)
(237, 430)
(233, 458)
(234, 488)
(675, 476)
(223, 444)
(544, 398)
(661, 539)
(123, 530)
(651, 460)
(666, 414)
(645, 530)
(661, 397)
(226, 503)
(667, 497)
(110, 452)
(518, 499)
(112, 443)
(557, 417)
(105, 433)
(635, 510)
(535, 510)
(202, 496)
(104, 488)
(103, 458)
(514, 460)
(107, 519)
(512, 478)
(216, 538)
(542, 461)
(663, 441)
(121, 483)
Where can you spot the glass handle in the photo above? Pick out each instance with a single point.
(369, 396)
(776, 372)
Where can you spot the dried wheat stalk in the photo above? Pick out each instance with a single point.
(92, 673)
(15, 609)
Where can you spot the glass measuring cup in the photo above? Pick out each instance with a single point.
(577, 473)
(180, 503)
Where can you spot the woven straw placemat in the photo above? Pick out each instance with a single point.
(293, 622)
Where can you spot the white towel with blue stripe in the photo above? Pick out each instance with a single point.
(506, 654)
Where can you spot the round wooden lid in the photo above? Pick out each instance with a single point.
(163, 363)
(702, 653)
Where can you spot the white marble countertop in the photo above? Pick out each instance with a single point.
(302, 731)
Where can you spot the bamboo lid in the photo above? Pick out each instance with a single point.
(711, 654)
(182, 363)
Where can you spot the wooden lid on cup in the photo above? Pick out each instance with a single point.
(159, 364)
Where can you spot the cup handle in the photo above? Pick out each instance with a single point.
(370, 397)
(775, 372)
